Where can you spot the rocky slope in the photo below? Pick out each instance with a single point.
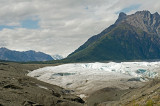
(16, 89)
(132, 37)
(148, 95)
(10, 55)
(142, 19)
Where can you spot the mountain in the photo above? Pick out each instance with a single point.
(131, 37)
(57, 57)
(10, 55)
(142, 19)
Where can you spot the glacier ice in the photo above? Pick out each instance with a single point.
(86, 75)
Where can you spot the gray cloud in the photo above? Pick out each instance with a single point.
(64, 24)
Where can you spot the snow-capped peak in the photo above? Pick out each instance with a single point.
(57, 57)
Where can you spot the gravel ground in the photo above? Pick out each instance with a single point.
(17, 89)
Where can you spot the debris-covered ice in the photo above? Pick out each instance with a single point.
(87, 75)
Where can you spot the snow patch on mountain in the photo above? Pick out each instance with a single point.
(57, 57)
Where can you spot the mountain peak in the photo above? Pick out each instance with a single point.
(143, 20)
(143, 12)
(156, 14)
(122, 14)
(57, 57)
(3, 48)
(121, 17)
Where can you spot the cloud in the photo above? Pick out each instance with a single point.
(129, 9)
(60, 26)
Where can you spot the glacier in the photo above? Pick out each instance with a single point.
(85, 77)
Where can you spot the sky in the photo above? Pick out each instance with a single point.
(60, 26)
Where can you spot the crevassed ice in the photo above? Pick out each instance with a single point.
(135, 69)
(86, 75)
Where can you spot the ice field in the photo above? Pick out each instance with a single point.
(86, 76)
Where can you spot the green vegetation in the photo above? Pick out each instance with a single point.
(150, 103)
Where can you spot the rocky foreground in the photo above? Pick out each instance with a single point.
(17, 89)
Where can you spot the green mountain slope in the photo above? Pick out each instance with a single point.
(123, 42)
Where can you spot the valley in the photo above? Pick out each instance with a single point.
(17, 89)
(117, 67)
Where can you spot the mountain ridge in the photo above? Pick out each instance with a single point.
(24, 56)
(133, 41)
(143, 20)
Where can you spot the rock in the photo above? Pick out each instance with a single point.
(59, 101)
(78, 99)
(55, 94)
(64, 91)
(75, 99)
(30, 103)
(3, 64)
(134, 79)
(11, 86)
